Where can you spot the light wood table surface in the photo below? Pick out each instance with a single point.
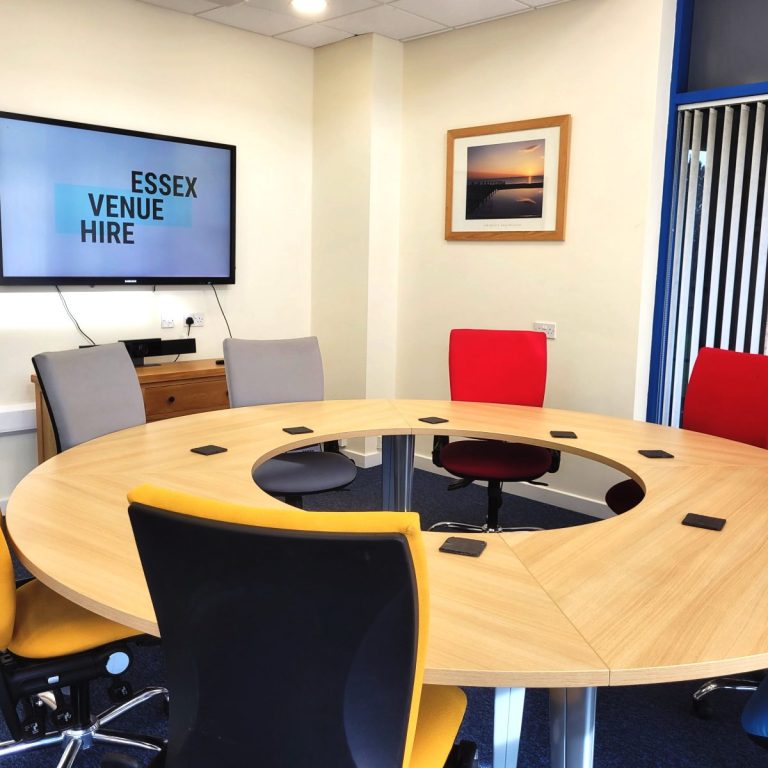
(633, 599)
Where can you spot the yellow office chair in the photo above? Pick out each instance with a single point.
(319, 619)
(52, 644)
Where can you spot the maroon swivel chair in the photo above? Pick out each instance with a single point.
(727, 396)
(495, 366)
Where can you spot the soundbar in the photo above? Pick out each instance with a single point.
(138, 349)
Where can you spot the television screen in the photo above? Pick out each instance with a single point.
(88, 205)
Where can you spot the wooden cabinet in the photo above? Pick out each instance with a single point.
(169, 389)
(168, 397)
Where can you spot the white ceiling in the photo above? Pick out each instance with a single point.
(398, 19)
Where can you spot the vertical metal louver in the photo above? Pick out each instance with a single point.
(716, 274)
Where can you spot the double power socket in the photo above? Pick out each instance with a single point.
(547, 327)
(198, 320)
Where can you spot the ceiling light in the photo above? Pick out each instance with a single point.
(309, 6)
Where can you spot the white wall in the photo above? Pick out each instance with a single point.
(358, 115)
(602, 62)
(131, 65)
(356, 224)
(341, 213)
(119, 62)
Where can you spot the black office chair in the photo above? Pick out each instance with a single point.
(262, 372)
(293, 638)
(53, 650)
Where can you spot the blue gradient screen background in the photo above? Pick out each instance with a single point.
(46, 174)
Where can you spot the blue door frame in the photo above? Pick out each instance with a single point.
(678, 95)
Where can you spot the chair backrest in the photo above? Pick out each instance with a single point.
(260, 372)
(727, 396)
(291, 638)
(496, 366)
(90, 392)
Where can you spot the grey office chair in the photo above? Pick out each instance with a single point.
(90, 392)
(261, 372)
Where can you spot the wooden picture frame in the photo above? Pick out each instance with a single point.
(508, 181)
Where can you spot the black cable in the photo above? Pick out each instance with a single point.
(189, 328)
(215, 293)
(72, 317)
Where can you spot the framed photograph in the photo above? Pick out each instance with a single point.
(508, 181)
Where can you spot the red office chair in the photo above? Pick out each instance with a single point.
(495, 367)
(726, 397)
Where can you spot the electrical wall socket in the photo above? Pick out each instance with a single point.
(166, 321)
(550, 329)
(198, 320)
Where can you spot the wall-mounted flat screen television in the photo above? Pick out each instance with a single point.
(89, 205)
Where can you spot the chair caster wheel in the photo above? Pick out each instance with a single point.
(702, 709)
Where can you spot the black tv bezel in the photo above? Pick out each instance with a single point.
(130, 279)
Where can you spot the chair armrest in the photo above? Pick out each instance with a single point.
(555, 465)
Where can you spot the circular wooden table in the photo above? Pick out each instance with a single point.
(638, 598)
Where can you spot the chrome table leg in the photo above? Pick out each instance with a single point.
(397, 472)
(507, 720)
(572, 726)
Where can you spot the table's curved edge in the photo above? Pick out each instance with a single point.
(695, 671)
(402, 417)
(148, 627)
